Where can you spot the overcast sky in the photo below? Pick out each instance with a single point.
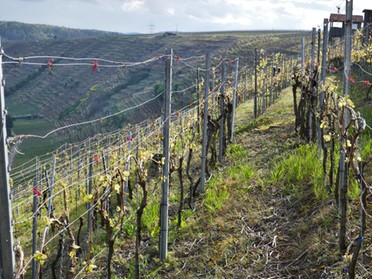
(176, 15)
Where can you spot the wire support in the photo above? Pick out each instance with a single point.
(51, 61)
(83, 123)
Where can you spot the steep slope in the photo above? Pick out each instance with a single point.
(18, 31)
(55, 92)
(62, 95)
(256, 228)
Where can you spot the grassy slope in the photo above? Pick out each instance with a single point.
(262, 229)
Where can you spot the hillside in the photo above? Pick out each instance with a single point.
(269, 208)
(18, 31)
(259, 229)
(64, 95)
(249, 225)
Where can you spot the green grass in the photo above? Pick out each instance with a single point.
(353, 189)
(237, 151)
(33, 147)
(31, 126)
(366, 143)
(72, 108)
(150, 218)
(263, 120)
(20, 108)
(302, 166)
(215, 195)
(241, 171)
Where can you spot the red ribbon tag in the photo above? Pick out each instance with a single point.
(50, 63)
(37, 192)
(95, 158)
(95, 65)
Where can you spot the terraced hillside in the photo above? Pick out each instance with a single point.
(64, 95)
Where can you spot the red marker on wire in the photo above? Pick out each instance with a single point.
(50, 63)
(95, 158)
(37, 192)
(95, 65)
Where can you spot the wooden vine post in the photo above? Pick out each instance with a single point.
(355, 162)
(139, 213)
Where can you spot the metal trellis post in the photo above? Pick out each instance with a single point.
(235, 101)
(198, 97)
(319, 42)
(324, 57)
(346, 92)
(255, 82)
(313, 40)
(272, 80)
(303, 56)
(7, 261)
(245, 86)
(127, 168)
(166, 150)
(323, 77)
(89, 192)
(34, 226)
(50, 203)
(205, 126)
(264, 85)
(222, 112)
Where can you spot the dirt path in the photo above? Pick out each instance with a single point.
(263, 228)
(260, 232)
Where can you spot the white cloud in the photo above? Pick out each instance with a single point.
(171, 11)
(132, 5)
(230, 19)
